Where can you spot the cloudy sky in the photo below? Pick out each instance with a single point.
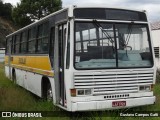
(152, 6)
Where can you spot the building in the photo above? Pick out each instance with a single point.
(156, 41)
(2, 54)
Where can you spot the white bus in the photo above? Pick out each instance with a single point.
(85, 58)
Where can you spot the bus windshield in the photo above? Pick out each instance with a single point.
(112, 45)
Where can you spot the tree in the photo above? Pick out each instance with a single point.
(29, 11)
(5, 10)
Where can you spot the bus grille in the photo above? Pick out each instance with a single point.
(117, 82)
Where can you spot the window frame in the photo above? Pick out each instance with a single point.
(17, 43)
(31, 37)
(114, 24)
(43, 36)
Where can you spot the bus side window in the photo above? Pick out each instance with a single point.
(17, 43)
(12, 45)
(52, 40)
(43, 38)
(31, 40)
(23, 43)
(7, 45)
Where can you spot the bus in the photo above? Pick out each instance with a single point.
(85, 58)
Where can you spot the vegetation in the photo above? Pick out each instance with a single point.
(10, 100)
(26, 12)
(29, 11)
(6, 10)
(6, 23)
(15, 98)
(6, 27)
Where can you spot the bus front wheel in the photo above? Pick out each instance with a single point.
(49, 94)
(14, 77)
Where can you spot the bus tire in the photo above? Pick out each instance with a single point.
(14, 77)
(46, 89)
(49, 95)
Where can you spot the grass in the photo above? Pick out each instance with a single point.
(15, 98)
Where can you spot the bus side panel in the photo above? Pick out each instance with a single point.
(7, 71)
(29, 71)
(33, 82)
(20, 77)
(28, 80)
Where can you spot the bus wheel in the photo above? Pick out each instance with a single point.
(14, 77)
(49, 93)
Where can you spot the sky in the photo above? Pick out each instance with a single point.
(151, 6)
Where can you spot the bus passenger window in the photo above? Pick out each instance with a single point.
(43, 38)
(32, 40)
(23, 42)
(52, 39)
(7, 45)
(17, 43)
(12, 45)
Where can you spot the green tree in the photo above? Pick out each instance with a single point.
(28, 11)
(5, 10)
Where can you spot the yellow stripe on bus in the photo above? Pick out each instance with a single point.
(36, 64)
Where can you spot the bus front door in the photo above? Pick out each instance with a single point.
(61, 50)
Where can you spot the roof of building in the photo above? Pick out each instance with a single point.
(155, 25)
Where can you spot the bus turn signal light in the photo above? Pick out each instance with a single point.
(73, 92)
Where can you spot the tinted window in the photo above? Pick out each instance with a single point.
(125, 15)
(23, 42)
(90, 13)
(109, 14)
(8, 40)
(17, 43)
(42, 46)
(32, 40)
(52, 40)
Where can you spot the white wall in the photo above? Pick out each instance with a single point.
(156, 43)
(156, 38)
(2, 54)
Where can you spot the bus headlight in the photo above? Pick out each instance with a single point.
(88, 92)
(80, 92)
(84, 92)
(145, 88)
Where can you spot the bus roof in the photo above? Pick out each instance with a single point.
(45, 18)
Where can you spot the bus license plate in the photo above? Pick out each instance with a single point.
(118, 103)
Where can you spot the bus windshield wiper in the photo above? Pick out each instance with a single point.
(129, 31)
(98, 25)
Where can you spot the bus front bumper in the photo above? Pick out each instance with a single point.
(108, 104)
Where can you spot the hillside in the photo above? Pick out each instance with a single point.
(6, 27)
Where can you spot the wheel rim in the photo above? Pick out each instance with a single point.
(49, 94)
